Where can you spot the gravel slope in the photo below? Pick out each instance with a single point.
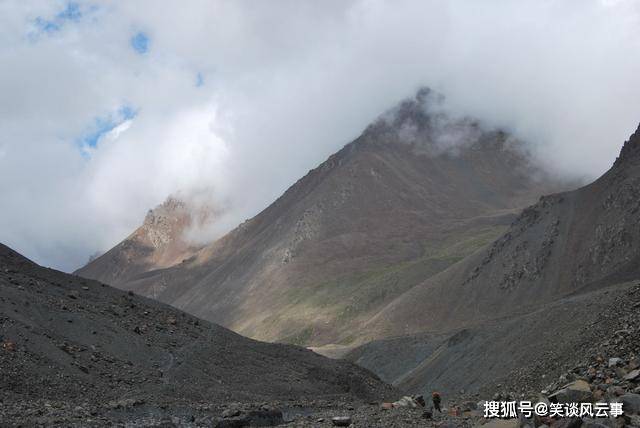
(513, 352)
(78, 350)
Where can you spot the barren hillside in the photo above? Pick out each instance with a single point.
(417, 192)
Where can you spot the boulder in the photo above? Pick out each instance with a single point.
(341, 421)
(575, 392)
(230, 413)
(124, 403)
(615, 391)
(613, 362)
(631, 404)
(633, 375)
(265, 417)
(232, 423)
(406, 401)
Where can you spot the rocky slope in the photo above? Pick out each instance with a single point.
(567, 243)
(159, 243)
(509, 319)
(515, 354)
(78, 352)
(601, 363)
(415, 193)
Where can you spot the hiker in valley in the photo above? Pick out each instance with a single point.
(435, 397)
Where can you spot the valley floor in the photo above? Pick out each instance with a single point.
(310, 413)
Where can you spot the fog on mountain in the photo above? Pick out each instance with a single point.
(310, 214)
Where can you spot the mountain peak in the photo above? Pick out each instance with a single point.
(166, 222)
(158, 243)
(415, 112)
(419, 184)
(630, 150)
(424, 123)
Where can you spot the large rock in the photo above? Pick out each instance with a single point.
(615, 362)
(341, 421)
(633, 375)
(239, 422)
(266, 417)
(575, 392)
(406, 401)
(631, 403)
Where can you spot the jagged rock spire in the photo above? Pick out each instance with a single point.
(631, 149)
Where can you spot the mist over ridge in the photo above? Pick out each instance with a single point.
(237, 101)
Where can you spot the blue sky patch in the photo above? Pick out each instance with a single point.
(126, 112)
(199, 80)
(71, 13)
(46, 26)
(103, 125)
(140, 43)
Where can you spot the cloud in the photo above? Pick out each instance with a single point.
(238, 99)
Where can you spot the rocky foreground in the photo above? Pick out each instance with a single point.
(75, 352)
(138, 413)
(604, 368)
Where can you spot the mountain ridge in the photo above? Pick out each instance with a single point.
(564, 244)
(560, 285)
(291, 273)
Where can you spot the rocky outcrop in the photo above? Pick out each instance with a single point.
(161, 241)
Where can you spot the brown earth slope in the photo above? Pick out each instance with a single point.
(82, 351)
(415, 193)
(159, 243)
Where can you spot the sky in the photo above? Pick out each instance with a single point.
(108, 107)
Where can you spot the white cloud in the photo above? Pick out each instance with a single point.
(286, 83)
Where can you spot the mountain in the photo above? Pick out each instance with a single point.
(567, 243)
(521, 353)
(417, 192)
(159, 243)
(560, 285)
(130, 358)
